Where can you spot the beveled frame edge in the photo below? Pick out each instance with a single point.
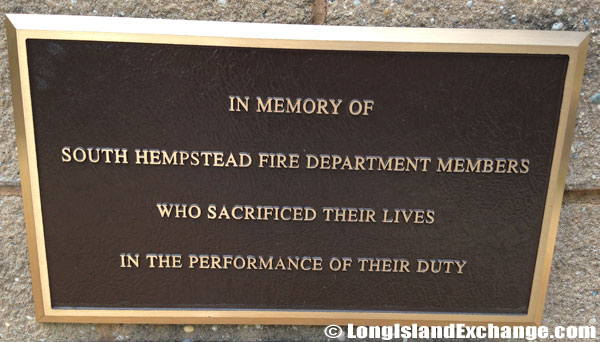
(16, 69)
(22, 27)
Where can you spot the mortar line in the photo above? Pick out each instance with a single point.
(580, 196)
(583, 196)
(319, 11)
(10, 189)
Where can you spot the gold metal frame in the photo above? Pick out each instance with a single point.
(22, 27)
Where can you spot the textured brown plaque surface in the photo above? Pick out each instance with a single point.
(438, 102)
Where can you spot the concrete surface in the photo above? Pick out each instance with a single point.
(575, 279)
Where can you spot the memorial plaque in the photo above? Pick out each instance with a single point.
(178, 171)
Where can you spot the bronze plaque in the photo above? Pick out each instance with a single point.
(284, 174)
